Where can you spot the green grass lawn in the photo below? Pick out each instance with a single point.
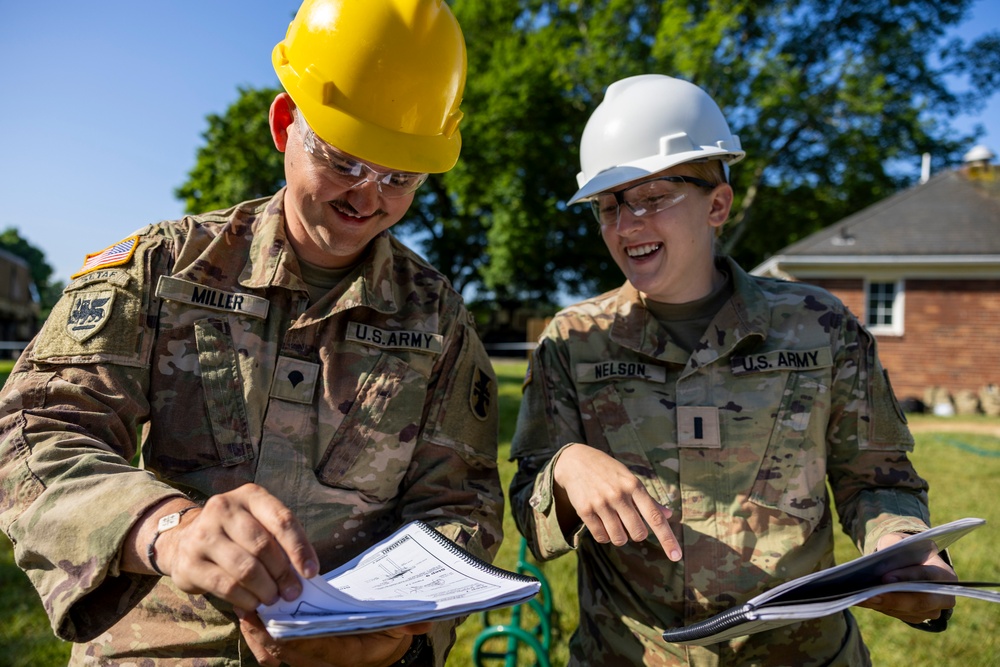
(963, 470)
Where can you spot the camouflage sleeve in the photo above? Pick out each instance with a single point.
(68, 493)
(875, 487)
(453, 482)
(548, 421)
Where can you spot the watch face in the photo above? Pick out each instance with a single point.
(168, 522)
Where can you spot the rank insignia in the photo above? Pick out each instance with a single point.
(90, 312)
(481, 394)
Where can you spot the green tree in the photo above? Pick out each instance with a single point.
(834, 103)
(41, 271)
(238, 160)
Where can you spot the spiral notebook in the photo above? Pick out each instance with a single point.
(837, 588)
(414, 575)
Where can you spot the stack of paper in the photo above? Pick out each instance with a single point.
(415, 575)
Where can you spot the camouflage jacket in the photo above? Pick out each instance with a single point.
(783, 393)
(373, 407)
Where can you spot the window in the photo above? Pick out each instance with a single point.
(884, 307)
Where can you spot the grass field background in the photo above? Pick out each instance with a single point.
(962, 466)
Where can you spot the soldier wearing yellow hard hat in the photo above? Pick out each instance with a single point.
(300, 383)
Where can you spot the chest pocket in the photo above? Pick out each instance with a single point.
(197, 393)
(618, 427)
(371, 449)
(792, 474)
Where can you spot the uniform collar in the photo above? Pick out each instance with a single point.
(742, 321)
(271, 262)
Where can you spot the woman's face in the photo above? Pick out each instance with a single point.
(669, 255)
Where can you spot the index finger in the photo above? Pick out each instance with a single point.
(281, 523)
(656, 515)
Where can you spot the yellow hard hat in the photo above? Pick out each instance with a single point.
(379, 79)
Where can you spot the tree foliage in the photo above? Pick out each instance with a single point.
(238, 160)
(834, 102)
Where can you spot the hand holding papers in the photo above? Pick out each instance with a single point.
(415, 575)
(835, 589)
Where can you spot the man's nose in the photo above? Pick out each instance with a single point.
(364, 196)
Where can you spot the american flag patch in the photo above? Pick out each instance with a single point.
(116, 255)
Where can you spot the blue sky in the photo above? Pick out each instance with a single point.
(106, 104)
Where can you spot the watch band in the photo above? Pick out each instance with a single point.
(416, 650)
(163, 525)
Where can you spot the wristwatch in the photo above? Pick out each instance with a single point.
(414, 652)
(163, 525)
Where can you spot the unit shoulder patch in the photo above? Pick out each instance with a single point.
(115, 255)
(481, 394)
(89, 313)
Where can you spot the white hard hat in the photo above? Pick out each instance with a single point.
(646, 124)
(979, 153)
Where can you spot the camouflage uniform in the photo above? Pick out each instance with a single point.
(372, 407)
(783, 393)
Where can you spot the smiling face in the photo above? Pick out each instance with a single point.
(669, 255)
(328, 224)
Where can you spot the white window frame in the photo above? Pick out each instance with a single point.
(897, 309)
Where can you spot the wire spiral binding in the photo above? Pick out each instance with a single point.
(476, 562)
(727, 619)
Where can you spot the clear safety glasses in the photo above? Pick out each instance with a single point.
(353, 173)
(645, 198)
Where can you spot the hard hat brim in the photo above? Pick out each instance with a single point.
(634, 171)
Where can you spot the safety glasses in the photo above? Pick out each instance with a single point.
(646, 198)
(353, 173)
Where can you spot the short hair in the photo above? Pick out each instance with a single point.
(709, 170)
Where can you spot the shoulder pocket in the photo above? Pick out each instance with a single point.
(887, 427)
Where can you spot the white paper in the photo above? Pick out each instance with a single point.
(414, 575)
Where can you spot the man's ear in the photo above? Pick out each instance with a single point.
(280, 117)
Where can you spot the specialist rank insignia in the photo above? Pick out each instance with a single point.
(90, 312)
(481, 394)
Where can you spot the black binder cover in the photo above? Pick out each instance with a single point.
(837, 588)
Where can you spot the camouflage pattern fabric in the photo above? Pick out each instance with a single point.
(373, 407)
(783, 393)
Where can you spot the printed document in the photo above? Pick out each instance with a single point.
(415, 575)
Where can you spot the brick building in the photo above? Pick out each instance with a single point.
(922, 270)
(18, 303)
